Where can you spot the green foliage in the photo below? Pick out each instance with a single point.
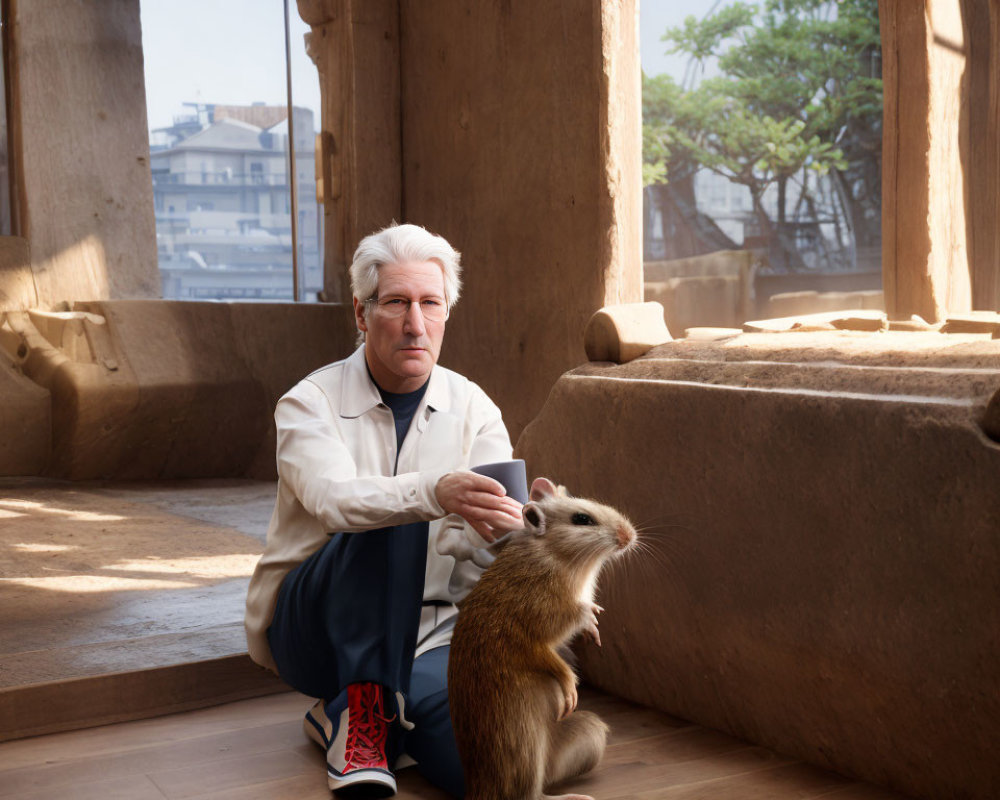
(701, 38)
(798, 90)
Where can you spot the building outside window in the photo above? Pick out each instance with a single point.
(221, 189)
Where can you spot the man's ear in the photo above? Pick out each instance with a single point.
(534, 517)
(359, 315)
(542, 487)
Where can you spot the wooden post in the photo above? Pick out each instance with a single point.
(925, 261)
(981, 20)
(355, 46)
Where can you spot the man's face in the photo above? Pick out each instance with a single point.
(402, 350)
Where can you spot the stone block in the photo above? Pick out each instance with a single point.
(624, 332)
(820, 514)
(987, 322)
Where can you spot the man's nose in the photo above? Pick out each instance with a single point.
(413, 320)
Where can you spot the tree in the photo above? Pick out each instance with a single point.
(798, 94)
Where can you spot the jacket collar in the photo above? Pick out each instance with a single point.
(359, 394)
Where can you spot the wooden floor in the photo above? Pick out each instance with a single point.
(256, 750)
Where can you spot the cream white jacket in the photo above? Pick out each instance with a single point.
(336, 447)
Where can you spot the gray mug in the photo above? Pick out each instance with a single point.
(511, 474)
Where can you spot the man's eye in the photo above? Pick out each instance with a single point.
(393, 301)
(582, 519)
(431, 303)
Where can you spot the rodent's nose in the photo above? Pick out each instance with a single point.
(626, 535)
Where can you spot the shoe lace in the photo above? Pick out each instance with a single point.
(368, 727)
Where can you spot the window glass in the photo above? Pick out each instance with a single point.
(219, 141)
(762, 127)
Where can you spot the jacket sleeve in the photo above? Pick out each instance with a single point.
(315, 463)
(491, 443)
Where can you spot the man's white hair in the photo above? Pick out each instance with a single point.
(400, 243)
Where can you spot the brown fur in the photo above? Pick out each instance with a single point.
(509, 689)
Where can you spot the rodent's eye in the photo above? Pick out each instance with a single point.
(582, 519)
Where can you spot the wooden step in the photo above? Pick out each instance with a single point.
(123, 601)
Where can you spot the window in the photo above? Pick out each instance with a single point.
(219, 144)
(762, 139)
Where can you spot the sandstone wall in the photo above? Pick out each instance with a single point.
(81, 150)
(820, 515)
(153, 389)
(521, 145)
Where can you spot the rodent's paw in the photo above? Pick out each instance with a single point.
(590, 612)
(570, 698)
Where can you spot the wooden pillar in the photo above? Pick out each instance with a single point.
(981, 19)
(355, 46)
(925, 260)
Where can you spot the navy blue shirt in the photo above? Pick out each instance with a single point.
(403, 407)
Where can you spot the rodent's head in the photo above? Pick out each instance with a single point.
(575, 529)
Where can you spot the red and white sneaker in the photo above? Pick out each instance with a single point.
(356, 757)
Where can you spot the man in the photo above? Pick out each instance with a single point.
(353, 601)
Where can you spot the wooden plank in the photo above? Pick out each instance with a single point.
(104, 699)
(793, 780)
(673, 746)
(256, 749)
(311, 786)
(624, 779)
(124, 739)
(211, 777)
(186, 753)
(137, 787)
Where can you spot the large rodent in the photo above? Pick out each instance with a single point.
(512, 696)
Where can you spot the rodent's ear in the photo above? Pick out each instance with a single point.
(542, 487)
(534, 518)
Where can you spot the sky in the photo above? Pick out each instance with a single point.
(232, 52)
(227, 52)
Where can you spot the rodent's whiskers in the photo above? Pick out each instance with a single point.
(677, 521)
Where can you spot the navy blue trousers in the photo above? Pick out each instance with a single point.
(349, 614)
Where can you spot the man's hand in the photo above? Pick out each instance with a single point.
(480, 501)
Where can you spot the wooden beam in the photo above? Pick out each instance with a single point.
(355, 46)
(926, 267)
